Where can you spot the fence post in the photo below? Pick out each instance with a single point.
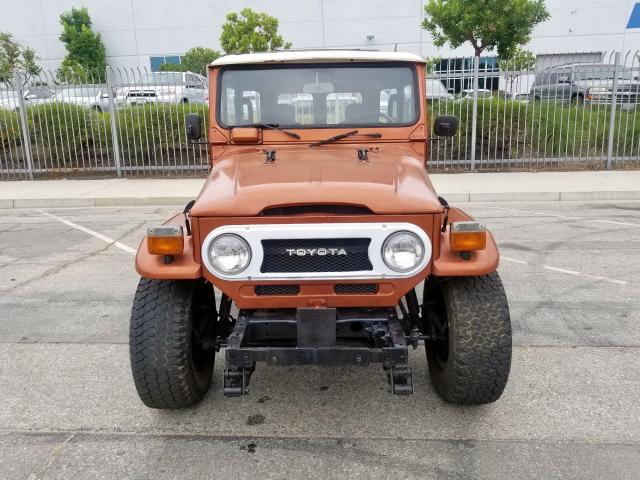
(474, 115)
(614, 101)
(112, 120)
(24, 125)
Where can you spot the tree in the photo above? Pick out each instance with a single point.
(194, 60)
(487, 24)
(520, 60)
(86, 58)
(251, 32)
(433, 64)
(172, 67)
(15, 57)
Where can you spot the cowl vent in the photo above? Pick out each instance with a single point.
(315, 210)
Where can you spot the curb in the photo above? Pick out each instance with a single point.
(451, 197)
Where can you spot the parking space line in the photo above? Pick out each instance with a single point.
(563, 217)
(88, 231)
(618, 223)
(560, 270)
(566, 271)
(514, 260)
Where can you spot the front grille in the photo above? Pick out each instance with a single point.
(316, 255)
(316, 210)
(277, 290)
(356, 288)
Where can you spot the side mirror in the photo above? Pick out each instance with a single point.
(194, 126)
(446, 126)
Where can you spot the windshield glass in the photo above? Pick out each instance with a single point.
(600, 73)
(161, 78)
(308, 96)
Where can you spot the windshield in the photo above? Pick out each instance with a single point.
(311, 96)
(599, 73)
(161, 78)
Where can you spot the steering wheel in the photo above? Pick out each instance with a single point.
(364, 114)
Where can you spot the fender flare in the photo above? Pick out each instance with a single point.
(450, 264)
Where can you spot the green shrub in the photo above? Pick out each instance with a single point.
(153, 132)
(514, 130)
(9, 129)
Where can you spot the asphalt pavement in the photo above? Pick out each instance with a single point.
(68, 408)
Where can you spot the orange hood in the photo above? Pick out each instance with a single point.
(392, 181)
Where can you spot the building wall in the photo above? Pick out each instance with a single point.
(135, 30)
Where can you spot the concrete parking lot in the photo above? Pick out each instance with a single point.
(68, 408)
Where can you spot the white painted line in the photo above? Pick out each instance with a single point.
(618, 223)
(534, 212)
(564, 217)
(100, 236)
(568, 272)
(514, 260)
(560, 270)
(580, 274)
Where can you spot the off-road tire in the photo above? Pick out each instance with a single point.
(478, 358)
(166, 371)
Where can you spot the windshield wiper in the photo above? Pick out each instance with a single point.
(269, 126)
(340, 136)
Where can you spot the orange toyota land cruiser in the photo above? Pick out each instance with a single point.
(318, 238)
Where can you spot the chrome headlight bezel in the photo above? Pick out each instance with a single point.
(215, 265)
(419, 257)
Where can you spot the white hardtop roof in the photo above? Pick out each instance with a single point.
(318, 56)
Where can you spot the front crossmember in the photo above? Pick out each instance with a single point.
(317, 336)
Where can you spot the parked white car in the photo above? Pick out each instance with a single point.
(32, 96)
(436, 90)
(95, 97)
(165, 87)
(467, 94)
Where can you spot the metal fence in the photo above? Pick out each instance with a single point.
(561, 113)
(558, 114)
(124, 122)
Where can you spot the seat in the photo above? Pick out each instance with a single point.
(280, 114)
(359, 113)
(242, 119)
(393, 106)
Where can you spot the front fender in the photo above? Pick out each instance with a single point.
(183, 267)
(451, 264)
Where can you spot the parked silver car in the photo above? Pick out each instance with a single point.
(585, 83)
(95, 97)
(165, 87)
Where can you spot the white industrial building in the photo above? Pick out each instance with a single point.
(145, 33)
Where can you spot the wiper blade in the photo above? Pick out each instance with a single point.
(270, 126)
(340, 136)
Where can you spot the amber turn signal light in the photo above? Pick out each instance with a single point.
(165, 240)
(467, 236)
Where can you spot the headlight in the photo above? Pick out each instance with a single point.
(402, 251)
(598, 90)
(229, 254)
